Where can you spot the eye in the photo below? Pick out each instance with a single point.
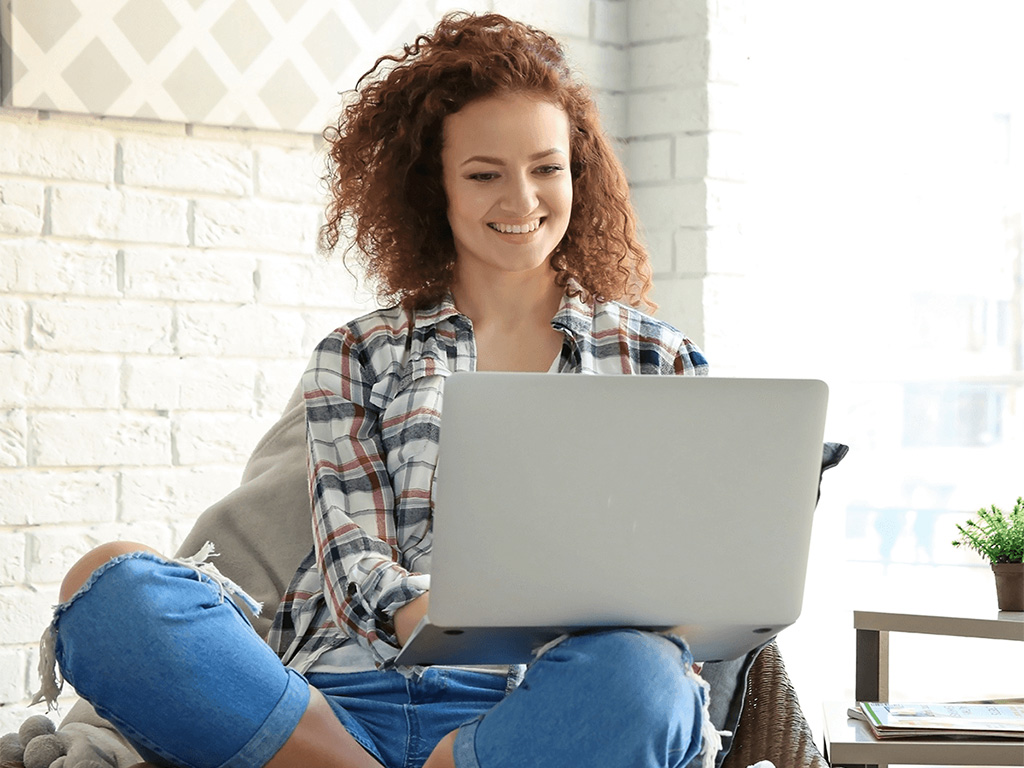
(483, 176)
(548, 170)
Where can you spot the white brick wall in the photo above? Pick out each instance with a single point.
(159, 292)
(684, 157)
(159, 296)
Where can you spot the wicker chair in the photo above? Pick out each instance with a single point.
(772, 727)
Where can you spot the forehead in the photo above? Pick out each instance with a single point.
(506, 125)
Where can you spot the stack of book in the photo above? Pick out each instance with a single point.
(987, 720)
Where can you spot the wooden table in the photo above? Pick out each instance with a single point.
(873, 628)
(849, 742)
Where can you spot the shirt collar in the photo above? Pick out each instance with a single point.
(574, 315)
(437, 314)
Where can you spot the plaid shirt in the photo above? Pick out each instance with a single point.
(373, 413)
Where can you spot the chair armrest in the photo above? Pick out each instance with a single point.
(771, 726)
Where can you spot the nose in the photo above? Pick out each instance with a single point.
(520, 195)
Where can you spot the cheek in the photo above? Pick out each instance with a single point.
(466, 203)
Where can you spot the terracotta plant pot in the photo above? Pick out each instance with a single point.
(1009, 586)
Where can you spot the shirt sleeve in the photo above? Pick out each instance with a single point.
(690, 360)
(354, 533)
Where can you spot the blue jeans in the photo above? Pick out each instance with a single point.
(180, 672)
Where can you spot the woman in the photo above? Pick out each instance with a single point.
(487, 206)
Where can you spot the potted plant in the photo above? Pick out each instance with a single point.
(999, 538)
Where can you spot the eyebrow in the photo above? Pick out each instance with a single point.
(499, 161)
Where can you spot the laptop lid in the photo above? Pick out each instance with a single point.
(654, 501)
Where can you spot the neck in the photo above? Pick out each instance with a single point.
(507, 301)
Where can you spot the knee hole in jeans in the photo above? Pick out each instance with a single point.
(94, 559)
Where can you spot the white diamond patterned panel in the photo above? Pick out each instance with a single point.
(271, 64)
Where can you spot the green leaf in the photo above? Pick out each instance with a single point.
(995, 535)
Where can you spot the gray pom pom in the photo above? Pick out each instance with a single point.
(42, 751)
(37, 725)
(59, 762)
(11, 750)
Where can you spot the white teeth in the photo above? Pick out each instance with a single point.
(515, 229)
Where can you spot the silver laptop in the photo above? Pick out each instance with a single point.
(568, 502)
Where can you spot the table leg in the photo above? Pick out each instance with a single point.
(872, 681)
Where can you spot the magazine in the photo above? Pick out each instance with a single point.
(995, 720)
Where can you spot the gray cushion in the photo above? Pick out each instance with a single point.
(263, 529)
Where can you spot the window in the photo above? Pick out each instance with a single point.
(884, 234)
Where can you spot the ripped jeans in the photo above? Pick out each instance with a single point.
(177, 668)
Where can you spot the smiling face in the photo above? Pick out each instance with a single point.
(505, 165)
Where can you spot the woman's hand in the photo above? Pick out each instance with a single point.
(408, 616)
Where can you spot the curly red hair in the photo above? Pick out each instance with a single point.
(384, 165)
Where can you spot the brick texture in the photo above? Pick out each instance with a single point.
(153, 322)
(683, 133)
